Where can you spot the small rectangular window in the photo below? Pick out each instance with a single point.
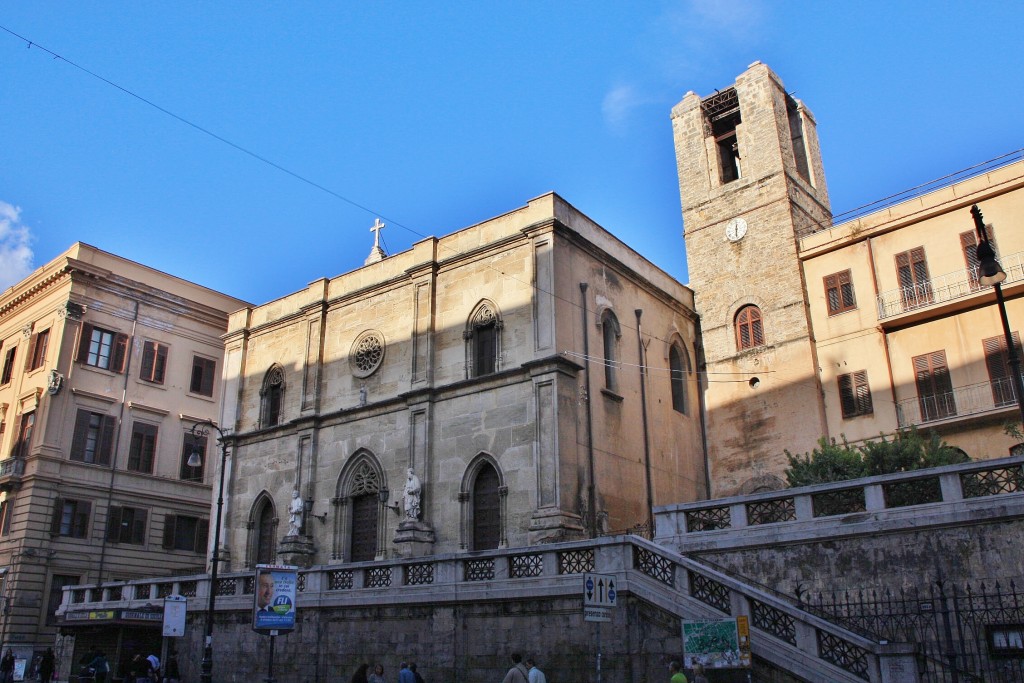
(997, 361)
(193, 444)
(126, 525)
(143, 447)
(912, 273)
(71, 518)
(854, 394)
(934, 386)
(37, 350)
(24, 441)
(93, 439)
(154, 362)
(202, 376)
(839, 293)
(104, 349)
(182, 532)
(5, 517)
(8, 371)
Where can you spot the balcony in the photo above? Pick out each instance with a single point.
(11, 471)
(973, 399)
(945, 288)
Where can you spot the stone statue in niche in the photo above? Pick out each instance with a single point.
(295, 512)
(413, 489)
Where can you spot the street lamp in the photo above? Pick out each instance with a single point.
(991, 273)
(201, 430)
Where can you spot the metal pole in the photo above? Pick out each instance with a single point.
(643, 412)
(599, 652)
(270, 661)
(1012, 356)
(206, 670)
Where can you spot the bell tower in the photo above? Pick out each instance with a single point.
(751, 184)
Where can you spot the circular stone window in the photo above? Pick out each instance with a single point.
(367, 353)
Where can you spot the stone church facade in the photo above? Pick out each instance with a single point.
(533, 373)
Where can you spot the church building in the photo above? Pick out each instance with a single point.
(524, 380)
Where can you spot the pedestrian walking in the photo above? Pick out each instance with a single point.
(405, 675)
(535, 674)
(46, 666)
(415, 673)
(518, 672)
(100, 667)
(7, 667)
(698, 674)
(677, 675)
(378, 674)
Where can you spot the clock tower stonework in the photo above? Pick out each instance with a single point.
(751, 184)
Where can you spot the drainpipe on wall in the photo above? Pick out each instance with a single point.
(117, 438)
(643, 412)
(591, 485)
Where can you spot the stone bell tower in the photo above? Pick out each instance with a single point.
(752, 183)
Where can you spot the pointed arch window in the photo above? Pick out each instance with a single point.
(486, 509)
(365, 517)
(679, 366)
(265, 546)
(610, 333)
(483, 340)
(271, 397)
(749, 328)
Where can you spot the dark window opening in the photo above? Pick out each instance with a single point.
(8, 371)
(93, 439)
(749, 328)
(678, 363)
(193, 444)
(610, 333)
(57, 584)
(273, 389)
(142, 450)
(71, 518)
(724, 130)
(154, 362)
(854, 394)
(912, 272)
(365, 511)
(24, 440)
(104, 349)
(266, 547)
(796, 134)
(839, 293)
(934, 386)
(37, 350)
(202, 376)
(182, 532)
(486, 510)
(997, 361)
(126, 525)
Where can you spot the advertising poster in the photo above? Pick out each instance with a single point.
(715, 644)
(274, 604)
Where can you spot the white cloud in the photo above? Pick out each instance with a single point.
(15, 246)
(618, 102)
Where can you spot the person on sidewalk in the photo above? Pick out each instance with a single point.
(518, 672)
(535, 674)
(677, 674)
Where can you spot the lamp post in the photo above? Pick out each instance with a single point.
(201, 430)
(991, 273)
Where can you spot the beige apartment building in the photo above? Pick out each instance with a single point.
(531, 372)
(849, 329)
(106, 366)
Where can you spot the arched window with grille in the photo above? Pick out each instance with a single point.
(483, 340)
(679, 367)
(749, 328)
(263, 527)
(272, 396)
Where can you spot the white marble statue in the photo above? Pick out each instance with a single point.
(413, 489)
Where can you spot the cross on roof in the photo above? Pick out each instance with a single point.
(377, 227)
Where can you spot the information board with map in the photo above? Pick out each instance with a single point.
(718, 644)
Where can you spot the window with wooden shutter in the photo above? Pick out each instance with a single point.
(8, 371)
(104, 349)
(5, 516)
(183, 532)
(934, 386)
(193, 444)
(93, 439)
(126, 525)
(969, 246)
(154, 362)
(749, 328)
(854, 394)
(37, 350)
(142, 449)
(71, 518)
(912, 272)
(839, 293)
(23, 443)
(997, 361)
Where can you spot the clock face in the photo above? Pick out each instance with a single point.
(735, 229)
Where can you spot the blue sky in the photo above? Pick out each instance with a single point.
(435, 116)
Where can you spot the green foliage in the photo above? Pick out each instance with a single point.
(906, 451)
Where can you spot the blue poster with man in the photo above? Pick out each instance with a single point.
(274, 606)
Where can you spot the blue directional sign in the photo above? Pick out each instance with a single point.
(599, 590)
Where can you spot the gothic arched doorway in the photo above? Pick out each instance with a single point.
(486, 509)
(364, 527)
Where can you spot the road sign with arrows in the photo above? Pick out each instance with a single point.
(599, 590)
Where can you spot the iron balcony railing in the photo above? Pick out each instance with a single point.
(948, 287)
(973, 399)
